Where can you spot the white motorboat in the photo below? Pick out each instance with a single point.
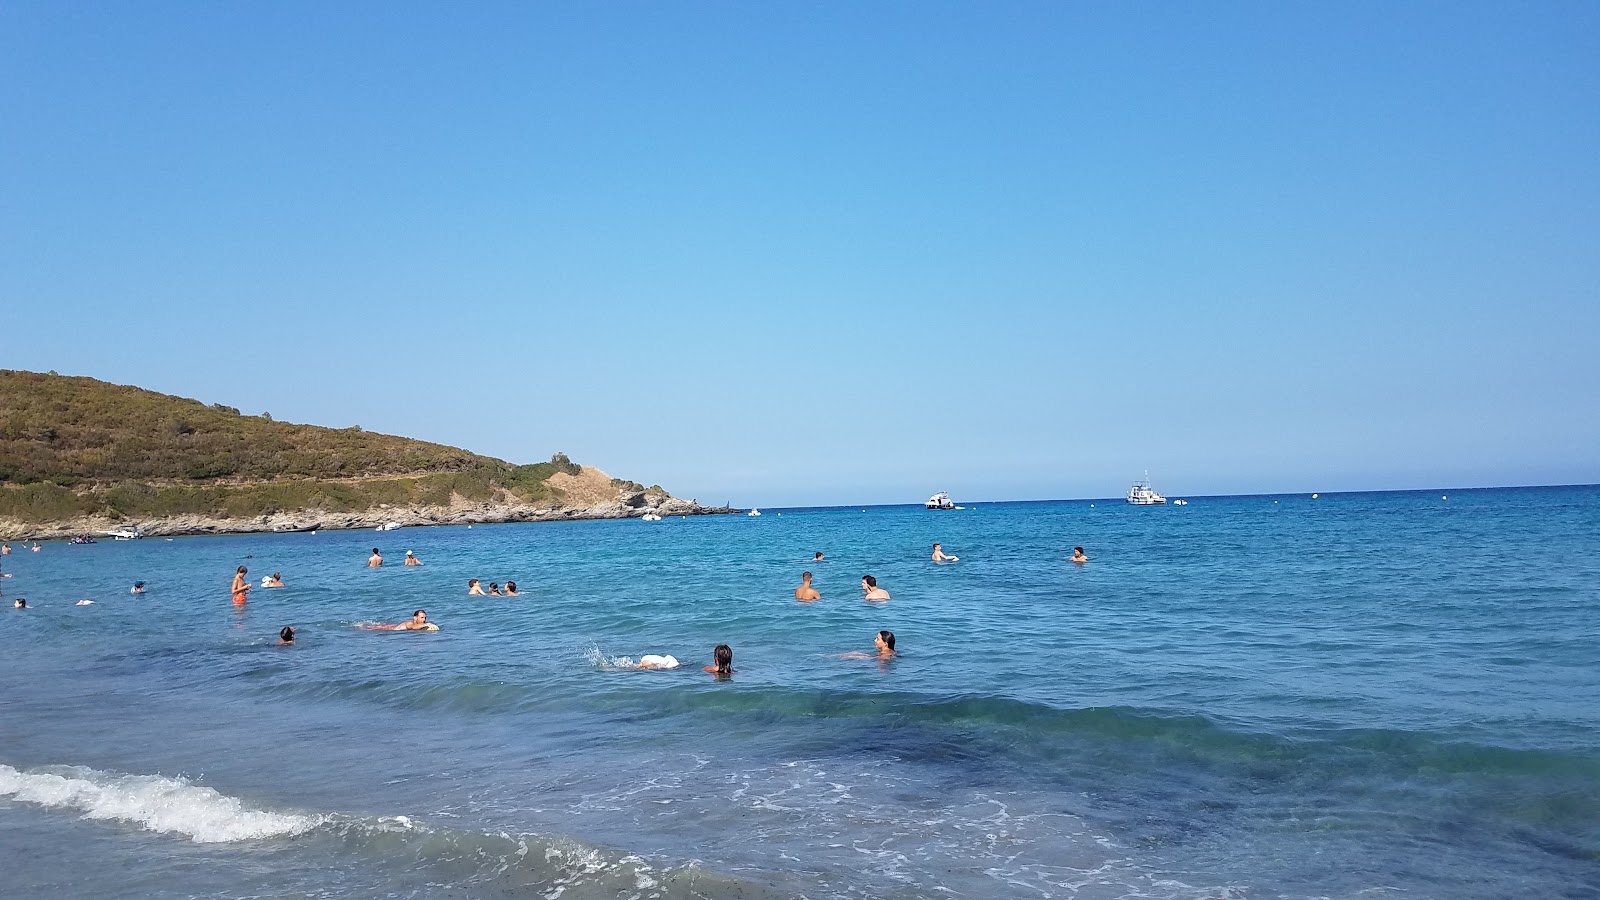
(1141, 494)
(753, 512)
(388, 526)
(649, 517)
(940, 500)
(126, 534)
(1180, 503)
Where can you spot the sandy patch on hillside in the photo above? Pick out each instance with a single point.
(587, 488)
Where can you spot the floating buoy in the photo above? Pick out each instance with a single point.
(1443, 497)
(1313, 496)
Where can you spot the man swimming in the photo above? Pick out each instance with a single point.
(241, 586)
(375, 560)
(419, 622)
(510, 589)
(805, 593)
(1077, 555)
(20, 604)
(872, 593)
(411, 559)
(817, 557)
(138, 588)
(475, 589)
(939, 555)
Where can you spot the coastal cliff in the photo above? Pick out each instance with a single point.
(80, 456)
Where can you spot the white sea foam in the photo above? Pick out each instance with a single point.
(153, 802)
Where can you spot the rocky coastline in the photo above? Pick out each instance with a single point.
(459, 512)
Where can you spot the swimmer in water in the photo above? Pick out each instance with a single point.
(375, 560)
(1077, 555)
(474, 589)
(494, 589)
(817, 557)
(511, 589)
(138, 588)
(273, 580)
(419, 622)
(872, 593)
(36, 548)
(411, 559)
(20, 604)
(722, 665)
(5, 549)
(241, 586)
(805, 593)
(939, 555)
(885, 644)
(286, 636)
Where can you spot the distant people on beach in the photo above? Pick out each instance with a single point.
(885, 644)
(805, 593)
(419, 622)
(286, 636)
(474, 589)
(411, 559)
(511, 589)
(722, 661)
(870, 590)
(273, 580)
(138, 588)
(940, 556)
(241, 586)
(1077, 555)
(375, 560)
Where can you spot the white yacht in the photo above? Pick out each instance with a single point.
(753, 512)
(649, 517)
(1141, 494)
(126, 534)
(940, 500)
(387, 526)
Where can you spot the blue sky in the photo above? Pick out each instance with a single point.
(827, 253)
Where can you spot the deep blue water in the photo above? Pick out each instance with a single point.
(1362, 695)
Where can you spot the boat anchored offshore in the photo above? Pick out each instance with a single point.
(940, 500)
(126, 534)
(1141, 493)
(753, 512)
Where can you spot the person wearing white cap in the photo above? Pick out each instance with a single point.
(411, 559)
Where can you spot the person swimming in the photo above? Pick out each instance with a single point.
(510, 589)
(494, 589)
(5, 549)
(241, 586)
(475, 589)
(138, 588)
(411, 559)
(872, 593)
(722, 661)
(816, 557)
(273, 580)
(939, 555)
(286, 636)
(1077, 555)
(419, 622)
(805, 593)
(375, 560)
(21, 603)
(884, 642)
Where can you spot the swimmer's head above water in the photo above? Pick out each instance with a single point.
(884, 642)
(286, 636)
(20, 604)
(722, 657)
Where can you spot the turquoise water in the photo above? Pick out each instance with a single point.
(1364, 695)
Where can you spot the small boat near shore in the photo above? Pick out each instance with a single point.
(388, 526)
(125, 534)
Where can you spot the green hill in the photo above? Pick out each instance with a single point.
(72, 446)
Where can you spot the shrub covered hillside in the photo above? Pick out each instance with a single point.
(72, 446)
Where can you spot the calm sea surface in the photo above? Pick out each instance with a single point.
(1364, 695)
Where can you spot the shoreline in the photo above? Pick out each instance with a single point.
(458, 512)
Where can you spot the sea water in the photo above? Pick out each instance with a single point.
(1359, 695)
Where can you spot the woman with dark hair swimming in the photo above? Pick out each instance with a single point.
(723, 656)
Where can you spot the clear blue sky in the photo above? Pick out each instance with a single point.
(816, 253)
